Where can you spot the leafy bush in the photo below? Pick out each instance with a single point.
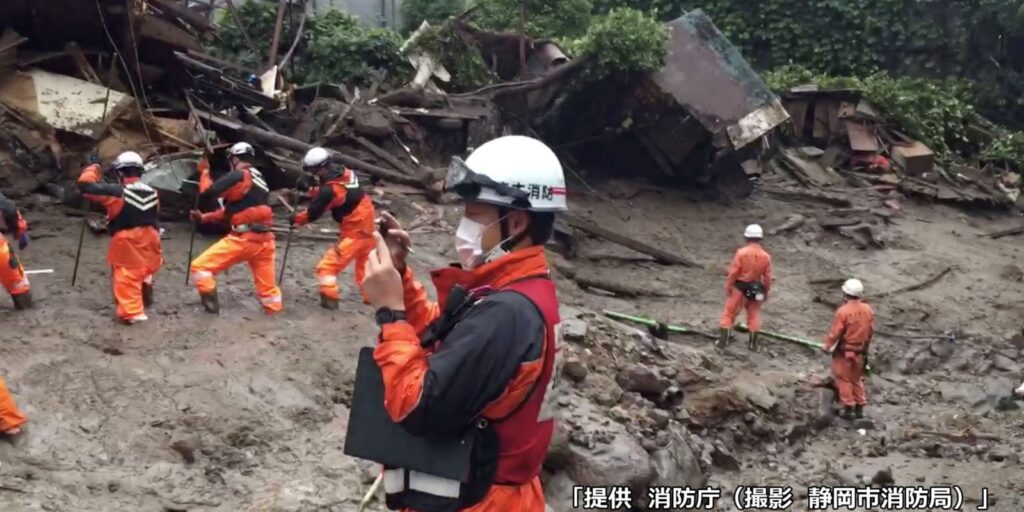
(624, 40)
(335, 47)
(461, 57)
(415, 12)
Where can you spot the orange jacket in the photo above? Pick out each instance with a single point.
(425, 387)
(137, 247)
(205, 180)
(853, 326)
(337, 196)
(234, 187)
(751, 263)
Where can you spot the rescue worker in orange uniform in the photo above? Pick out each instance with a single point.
(135, 253)
(11, 419)
(746, 287)
(848, 341)
(339, 193)
(247, 209)
(12, 274)
(486, 356)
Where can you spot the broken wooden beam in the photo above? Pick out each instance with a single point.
(282, 141)
(658, 254)
(387, 157)
(923, 284)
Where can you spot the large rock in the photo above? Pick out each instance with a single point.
(642, 379)
(623, 461)
(757, 394)
(677, 465)
(574, 330)
(602, 389)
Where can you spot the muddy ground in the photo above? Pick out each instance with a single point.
(243, 412)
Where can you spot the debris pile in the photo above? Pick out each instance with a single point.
(841, 140)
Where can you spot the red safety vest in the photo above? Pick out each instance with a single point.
(524, 436)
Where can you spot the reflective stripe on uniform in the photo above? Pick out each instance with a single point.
(148, 279)
(142, 202)
(274, 299)
(327, 280)
(394, 482)
(257, 179)
(202, 274)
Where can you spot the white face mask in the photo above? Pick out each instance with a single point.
(469, 238)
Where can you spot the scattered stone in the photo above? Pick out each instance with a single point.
(965, 394)
(920, 478)
(1004, 363)
(1003, 453)
(863, 424)
(113, 486)
(186, 448)
(676, 465)
(631, 398)
(669, 372)
(623, 461)
(883, 477)
(649, 444)
(941, 349)
(1006, 403)
(602, 389)
(660, 417)
(681, 415)
(756, 394)
(574, 330)
(574, 369)
(723, 458)
(564, 401)
(642, 379)
(672, 397)
(760, 429)
(1012, 273)
(619, 414)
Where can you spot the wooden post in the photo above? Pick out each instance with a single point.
(272, 59)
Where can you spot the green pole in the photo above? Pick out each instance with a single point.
(784, 337)
(648, 322)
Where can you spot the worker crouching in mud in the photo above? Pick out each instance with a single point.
(247, 209)
(747, 286)
(12, 273)
(484, 357)
(848, 341)
(135, 252)
(338, 191)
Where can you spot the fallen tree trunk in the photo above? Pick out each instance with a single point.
(658, 254)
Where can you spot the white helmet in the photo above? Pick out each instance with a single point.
(126, 160)
(753, 231)
(315, 157)
(853, 288)
(514, 171)
(241, 148)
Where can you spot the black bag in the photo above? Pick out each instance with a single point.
(752, 291)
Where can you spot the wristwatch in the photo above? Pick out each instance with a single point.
(388, 315)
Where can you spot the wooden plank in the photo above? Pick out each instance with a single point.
(861, 138)
(1007, 232)
(658, 254)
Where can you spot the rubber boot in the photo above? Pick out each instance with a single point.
(210, 302)
(723, 338)
(847, 413)
(22, 301)
(752, 341)
(147, 295)
(328, 302)
(858, 412)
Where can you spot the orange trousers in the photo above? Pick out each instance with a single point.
(848, 370)
(734, 304)
(337, 258)
(528, 497)
(127, 285)
(12, 274)
(232, 250)
(10, 417)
